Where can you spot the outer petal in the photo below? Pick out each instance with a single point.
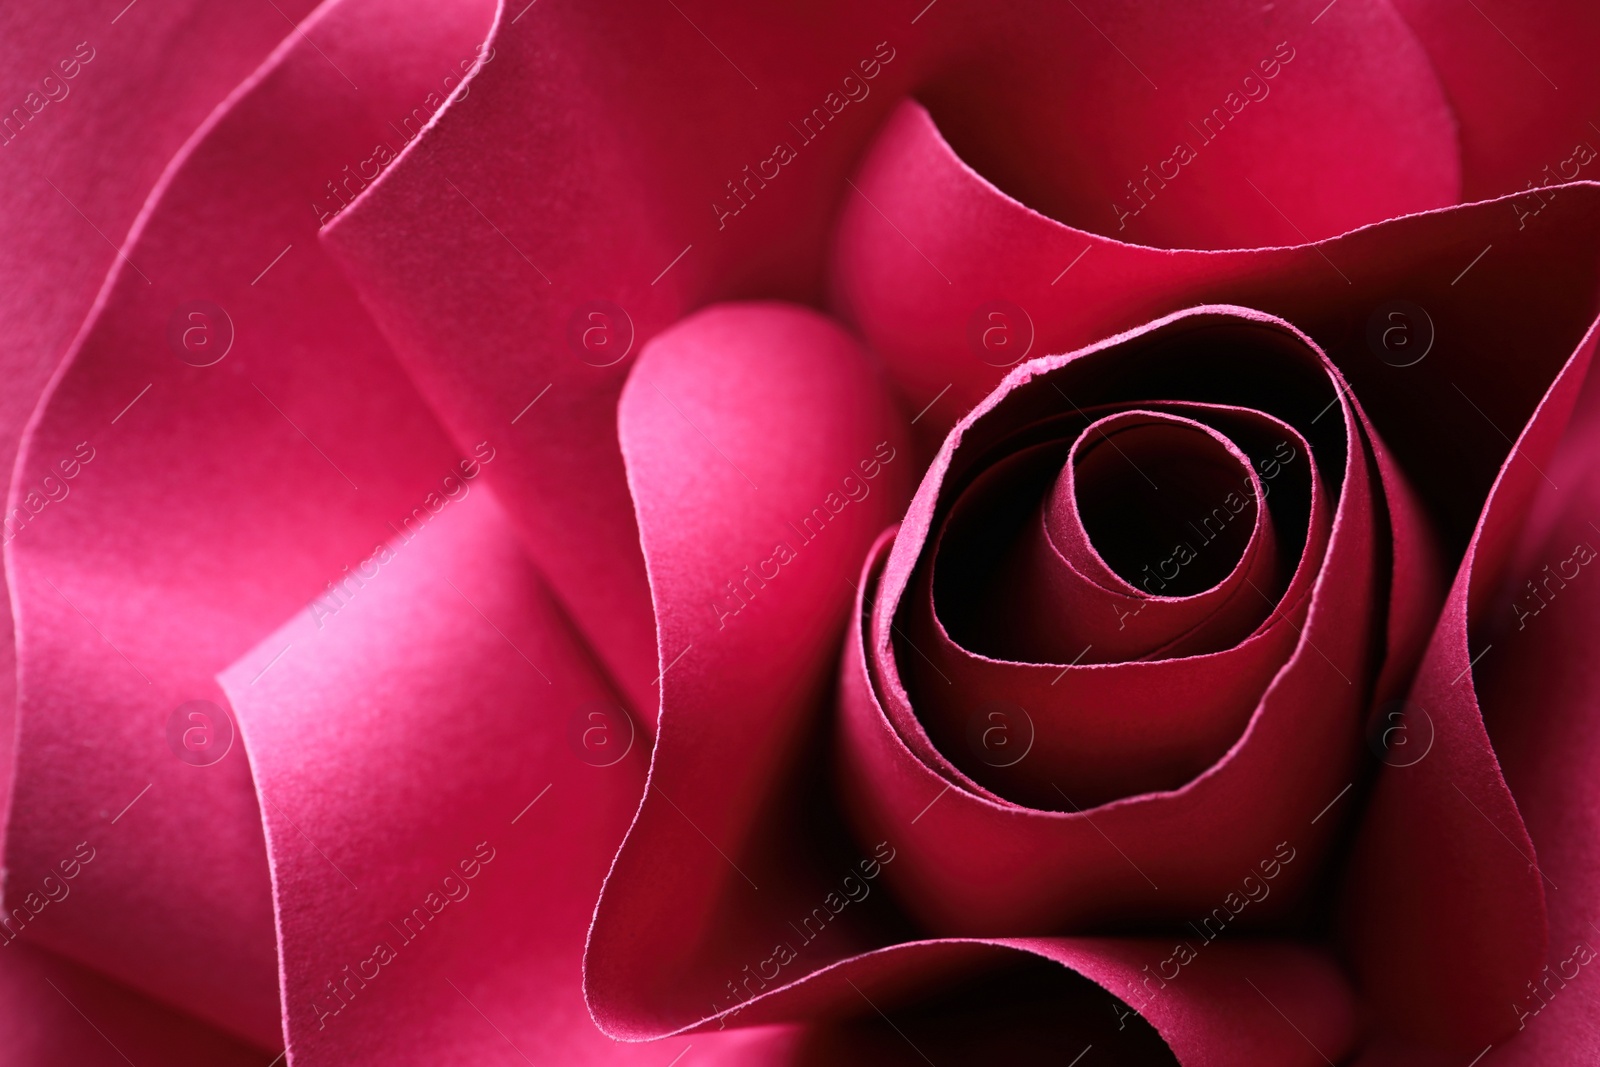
(180, 512)
(1524, 87)
(608, 167)
(1536, 681)
(1450, 809)
(75, 174)
(765, 455)
(441, 810)
(1539, 687)
(958, 245)
(61, 1015)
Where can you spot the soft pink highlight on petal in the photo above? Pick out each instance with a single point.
(209, 504)
(432, 908)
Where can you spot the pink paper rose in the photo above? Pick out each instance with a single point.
(909, 533)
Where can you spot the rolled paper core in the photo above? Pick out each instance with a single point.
(1022, 576)
(1138, 489)
(1024, 662)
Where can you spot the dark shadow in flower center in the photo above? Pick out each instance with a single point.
(1165, 505)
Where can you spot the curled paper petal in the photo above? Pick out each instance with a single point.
(1523, 91)
(1470, 284)
(63, 201)
(610, 173)
(433, 907)
(765, 455)
(1538, 690)
(229, 436)
(1169, 744)
(62, 1015)
(1448, 806)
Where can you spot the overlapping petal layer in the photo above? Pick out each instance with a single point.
(1538, 688)
(1469, 313)
(765, 454)
(1524, 89)
(738, 897)
(95, 106)
(681, 157)
(640, 182)
(228, 433)
(1378, 582)
(432, 908)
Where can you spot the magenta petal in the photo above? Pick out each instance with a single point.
(445, 777)
(1538, 687)
(1448, 808)
(612, 171)
(1524, 88)
(68, 211)
(61, 1015)
(190, 482)
(764, 455)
